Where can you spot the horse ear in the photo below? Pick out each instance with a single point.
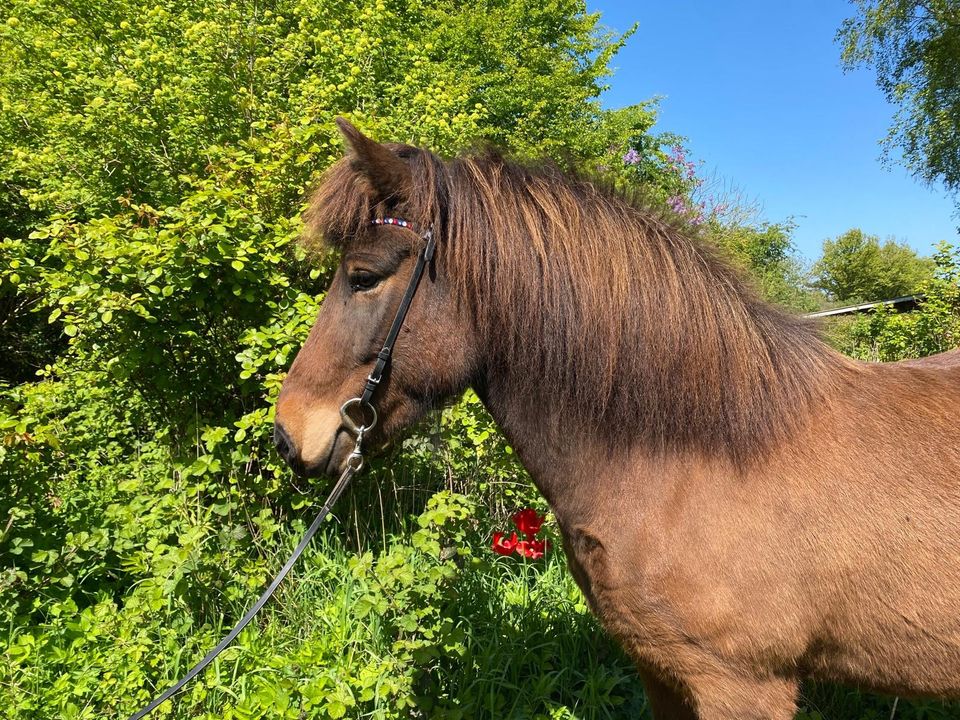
(388, 174)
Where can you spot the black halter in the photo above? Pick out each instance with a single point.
(354, 460)
(383, 357)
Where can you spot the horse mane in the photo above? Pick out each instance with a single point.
(593, 302)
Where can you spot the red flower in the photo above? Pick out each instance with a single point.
(532, 549)
(502, 545)
(528, 522)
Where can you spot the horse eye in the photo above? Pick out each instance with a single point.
(361, 280)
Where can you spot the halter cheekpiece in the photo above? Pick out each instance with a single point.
(383, 357)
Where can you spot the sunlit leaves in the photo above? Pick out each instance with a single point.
(155, 161)
(934, 327)
(914, 47)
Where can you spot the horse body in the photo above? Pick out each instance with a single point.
(730, 582)
(741, 506)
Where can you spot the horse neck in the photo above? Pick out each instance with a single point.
(579, 464)
(711, 373)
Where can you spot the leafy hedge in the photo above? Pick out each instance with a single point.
(884, 335)
(153, 169)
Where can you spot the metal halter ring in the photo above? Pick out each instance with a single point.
(351, 424)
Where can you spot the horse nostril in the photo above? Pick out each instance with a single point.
(283, 442)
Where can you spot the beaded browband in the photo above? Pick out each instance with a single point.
(399, 222)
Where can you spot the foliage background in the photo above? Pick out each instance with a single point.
(914, 48)
(153, 165)
(855, 267)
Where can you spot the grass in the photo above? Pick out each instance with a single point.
(400, 612)
(522, 646)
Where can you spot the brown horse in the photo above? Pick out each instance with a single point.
(742, 506)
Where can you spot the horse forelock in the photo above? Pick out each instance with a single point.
(601, 307)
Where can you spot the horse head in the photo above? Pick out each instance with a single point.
(366, 207)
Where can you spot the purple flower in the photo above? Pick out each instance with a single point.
(632, 157)
(677, 204)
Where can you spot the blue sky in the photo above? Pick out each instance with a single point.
(757, 89)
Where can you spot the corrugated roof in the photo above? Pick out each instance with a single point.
(901, 303)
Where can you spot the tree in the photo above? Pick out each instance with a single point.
(767, 252)
(855, 266)
(914, 46)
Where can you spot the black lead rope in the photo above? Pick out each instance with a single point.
(261, 601)
(354, 463)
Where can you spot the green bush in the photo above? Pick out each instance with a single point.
(884, 335)
(154, 165)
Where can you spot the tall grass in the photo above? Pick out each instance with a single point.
(518, 642)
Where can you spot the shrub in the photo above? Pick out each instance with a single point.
(934, 327)
(153, 169)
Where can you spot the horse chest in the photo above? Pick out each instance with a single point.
(677, 609)
(627, 600)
